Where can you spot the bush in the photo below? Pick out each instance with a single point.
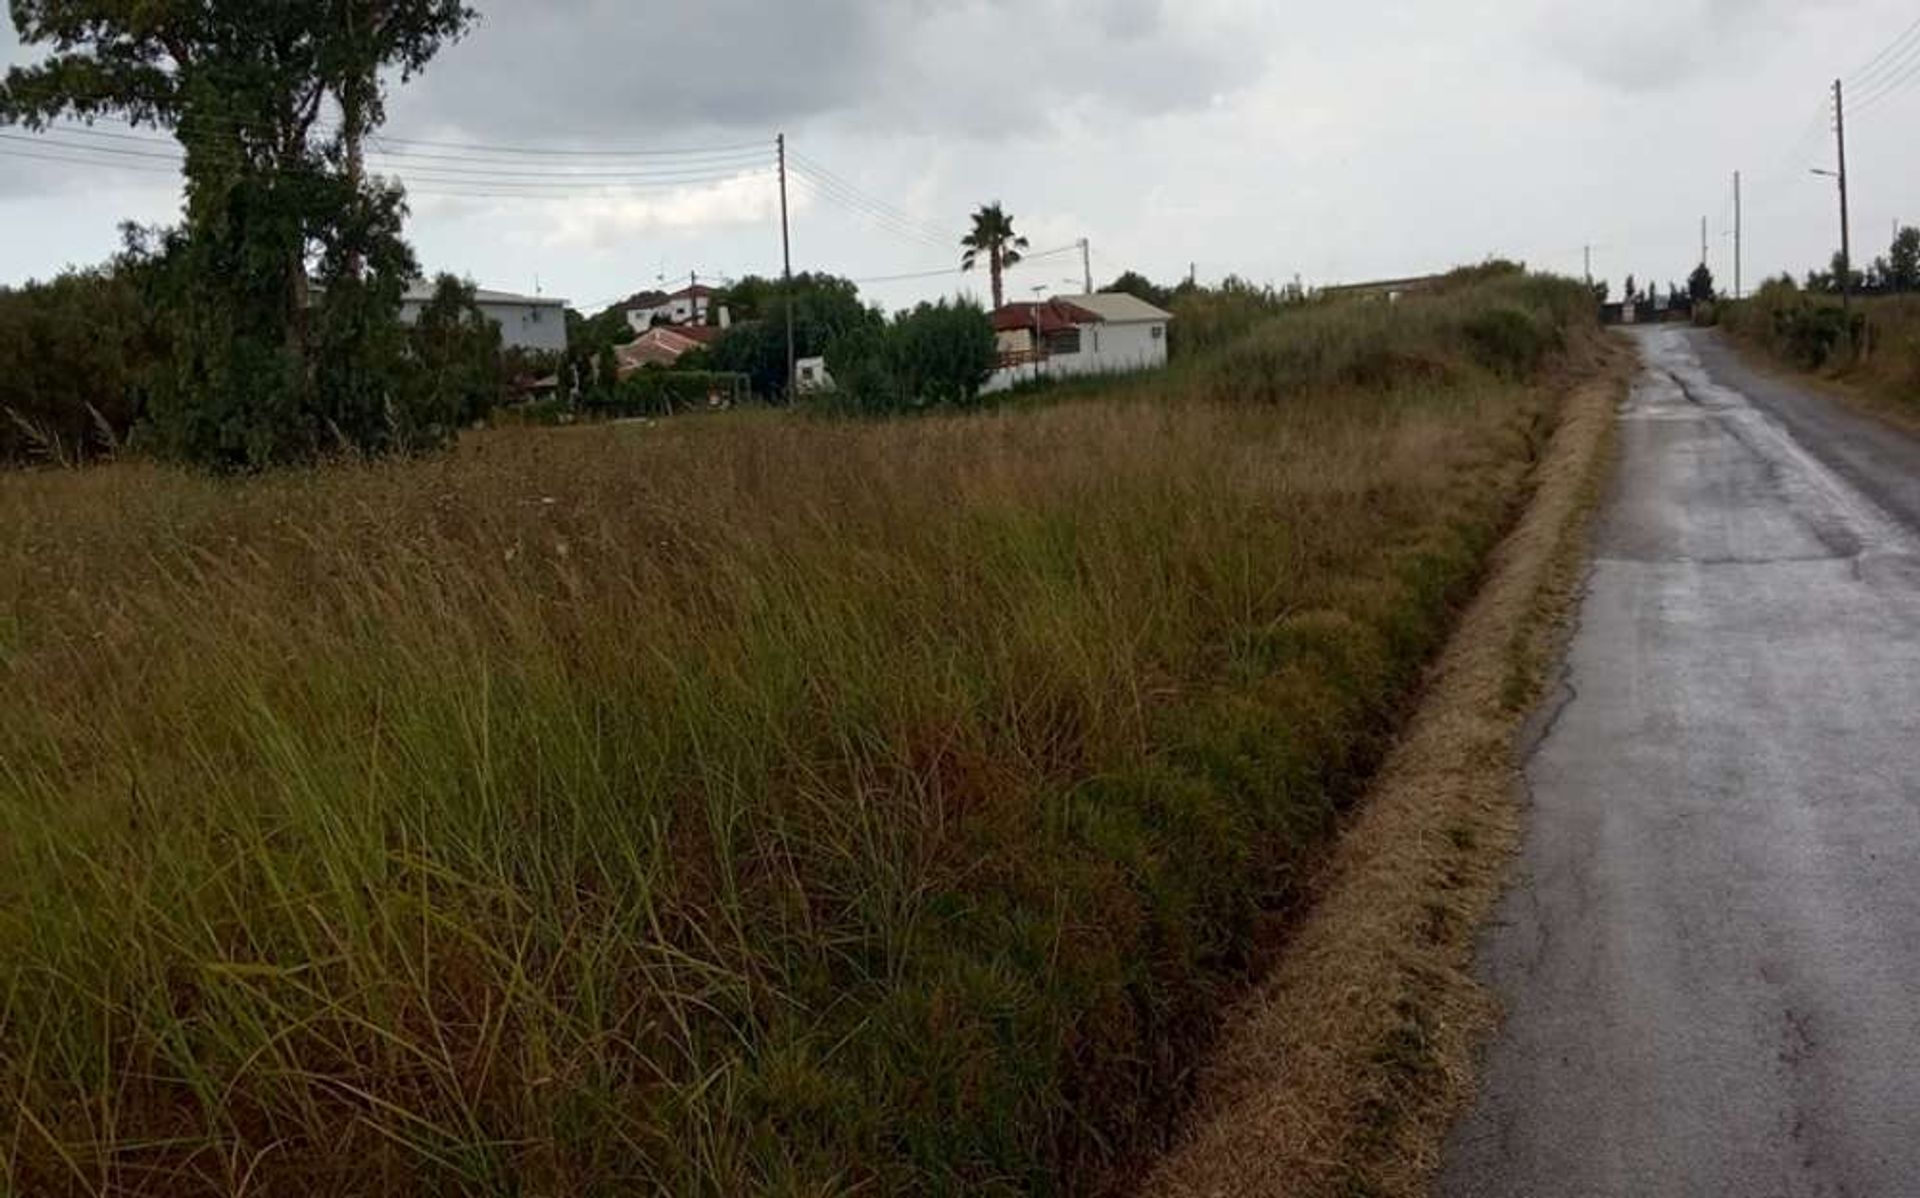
(938, 355)
(654, 392)
(76, 362)
(1806, 330)
(1509, 340)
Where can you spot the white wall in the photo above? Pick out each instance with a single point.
(1114, 349)
(522, 326)
(1104, 349)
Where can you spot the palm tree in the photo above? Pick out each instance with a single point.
(993, 236)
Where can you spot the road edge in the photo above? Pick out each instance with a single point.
(1343, 1071)
(1855, 397)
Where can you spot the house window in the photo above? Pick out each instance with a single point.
(1159, 332)
(1064, 343)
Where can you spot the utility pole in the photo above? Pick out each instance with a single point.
(1737, 231)
(1846, 222)
(1703, 241)
(786, 269)
(1086, 262)
(1589, 257)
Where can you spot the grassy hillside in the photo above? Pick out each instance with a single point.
(746, 805)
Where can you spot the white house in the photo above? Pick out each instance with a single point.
(689, 305)
(529, 322)
(1108, 333)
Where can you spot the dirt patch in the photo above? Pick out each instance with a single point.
(1341, 1073)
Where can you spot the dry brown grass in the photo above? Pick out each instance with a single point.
(732, 806)
(1341, 1074)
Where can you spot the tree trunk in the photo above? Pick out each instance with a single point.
(999, 293)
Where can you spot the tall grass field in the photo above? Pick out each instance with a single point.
(755, 804)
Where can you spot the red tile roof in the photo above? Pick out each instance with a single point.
(1053, 316)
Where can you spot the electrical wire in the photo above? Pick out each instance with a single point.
(1892, 86)
(171, 151)
(844, 184)
(440, 180)
(814, 189)
(1894, 51)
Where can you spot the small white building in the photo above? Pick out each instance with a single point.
(811, 376)
(1108, 333)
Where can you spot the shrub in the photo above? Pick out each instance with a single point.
(654, 392)
(937, 355)
(1509, 340)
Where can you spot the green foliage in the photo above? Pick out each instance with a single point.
(1804, 328)
(77, 357)
(260, 367)
(1903, 261)
(1141, 288)
(456, 372)
(1510, 340)
(1700, 285)
(826, 309)
(655, 392)
(588, 336)
(1208, 318)
(937, 355)
(606, 376)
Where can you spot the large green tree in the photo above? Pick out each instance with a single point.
(261, 369)
(993, 238)
(1903, 261)
(826, 310)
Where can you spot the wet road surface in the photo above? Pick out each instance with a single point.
(1711, 958)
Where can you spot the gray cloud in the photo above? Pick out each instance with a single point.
(616, 71)
(1654, 45)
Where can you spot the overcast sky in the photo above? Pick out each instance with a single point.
(1267, 138)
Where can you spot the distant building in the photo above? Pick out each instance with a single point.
(663, 345)
(689, 305)
(1109, 333)
(638, 309)
(527, 322)
(1391, 289)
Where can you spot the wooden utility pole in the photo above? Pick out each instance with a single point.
(1086, 262)
(1846, 220)
(786, 268)
(1737, 230)
(1589, 259)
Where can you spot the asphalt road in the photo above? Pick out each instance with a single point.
(1711, 959)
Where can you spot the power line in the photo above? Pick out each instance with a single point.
(1897, 49)
(172, 151)
(441, 180)
(877, 217)
(950, 271)
(323, 127)
(858, 201)
(938, 232)
(1890, 87)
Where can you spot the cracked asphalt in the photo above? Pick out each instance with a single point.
(1710, 960)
